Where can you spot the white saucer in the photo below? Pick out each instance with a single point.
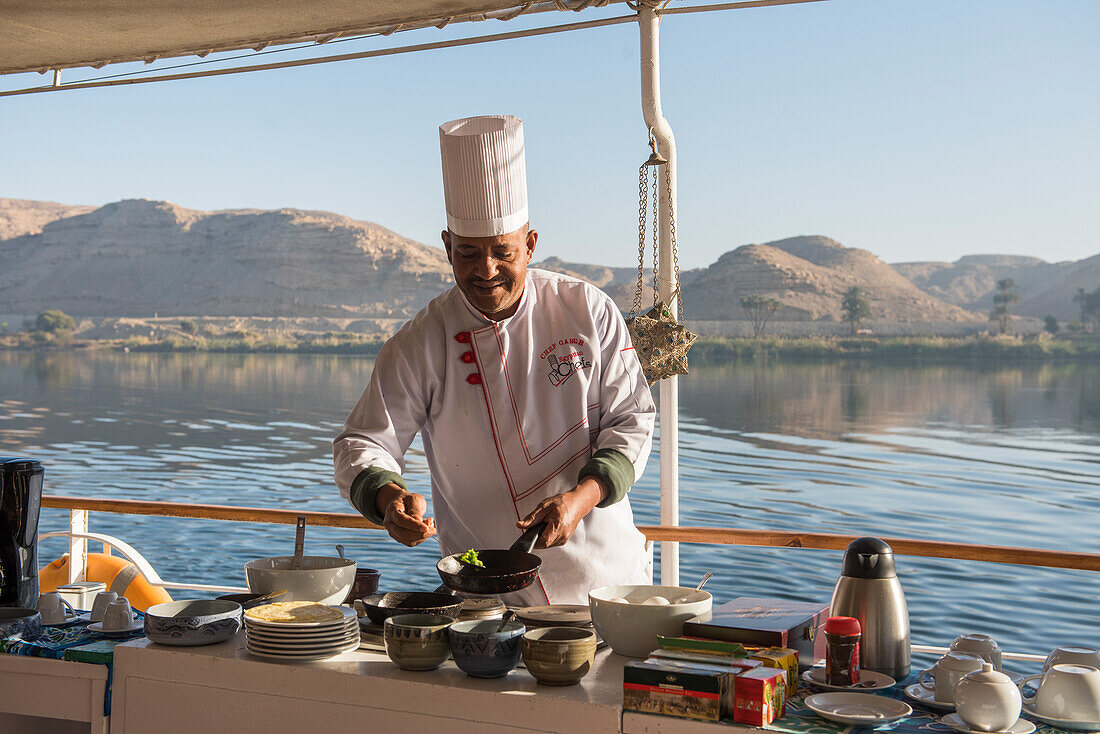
(1022, 726)
(878, 681)
(1062, 723)
(137, 626)
(925, 697)
(857, 709)
(68, 621)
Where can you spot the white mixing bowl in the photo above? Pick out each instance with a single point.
(322, 579)
(631, 628)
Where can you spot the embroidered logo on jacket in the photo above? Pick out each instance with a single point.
(565, 366)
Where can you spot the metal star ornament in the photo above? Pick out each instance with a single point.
(661, 343)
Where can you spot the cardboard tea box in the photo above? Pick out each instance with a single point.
(783, 658)
(739, 665)
(760, 697)
(678, 688)
(766, 623)
(703, 645)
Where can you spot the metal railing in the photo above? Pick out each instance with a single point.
(79, 509)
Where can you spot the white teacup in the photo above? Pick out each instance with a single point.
(1073, 655)
(946, 674)
(983, 646)
(99, 604)
(1068, 692)
(54, 609)
(118, 616)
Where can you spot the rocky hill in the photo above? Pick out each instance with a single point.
(139, 257)
(19, 216)
(619, 283)
(809, 276)
(1044, 288)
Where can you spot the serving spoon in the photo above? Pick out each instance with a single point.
(509, 615)
(261, 599)
(706, 578)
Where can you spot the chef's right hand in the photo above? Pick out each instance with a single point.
(403, 515)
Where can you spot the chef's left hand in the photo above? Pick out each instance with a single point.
(563, 512)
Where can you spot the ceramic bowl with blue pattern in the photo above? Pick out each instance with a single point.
(194, 622)
(483, 652)
(21, 622)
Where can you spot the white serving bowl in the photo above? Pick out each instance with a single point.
(321, 579)
(631, 629)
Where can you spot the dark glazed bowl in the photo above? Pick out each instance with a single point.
(192, 623)
(27, 623)
(381, 607)
(483, 652)
(365, 584)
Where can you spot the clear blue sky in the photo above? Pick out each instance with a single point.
(917, 129)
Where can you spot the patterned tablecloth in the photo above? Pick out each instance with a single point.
(799, 719)
(75, 643)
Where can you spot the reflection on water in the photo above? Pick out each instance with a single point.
(1006, 456)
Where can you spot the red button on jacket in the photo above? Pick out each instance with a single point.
(463, 337)
(467, 357)
(474, 379)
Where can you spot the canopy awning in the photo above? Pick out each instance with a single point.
(38, 35)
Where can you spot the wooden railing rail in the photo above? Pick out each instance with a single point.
(210, 512)
(724, 536)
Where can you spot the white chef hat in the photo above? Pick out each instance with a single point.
(484, 175)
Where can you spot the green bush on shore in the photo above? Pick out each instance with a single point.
(897, 348)
(1076, 347)
(248, 342)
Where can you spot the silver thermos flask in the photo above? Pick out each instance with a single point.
(868, 589)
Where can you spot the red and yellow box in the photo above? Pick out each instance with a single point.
(760, 696)
(782, 658)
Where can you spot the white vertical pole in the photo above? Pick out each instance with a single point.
(668, 409)
(78, 547)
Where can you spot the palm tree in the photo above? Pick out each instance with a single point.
(1082, 299)
(855, 307)
(1005, 295)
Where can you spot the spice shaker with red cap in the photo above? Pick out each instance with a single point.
(842, 636)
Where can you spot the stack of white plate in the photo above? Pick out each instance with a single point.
(302, 641)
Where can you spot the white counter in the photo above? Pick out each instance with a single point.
(221, 688)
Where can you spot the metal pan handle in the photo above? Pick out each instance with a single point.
(526, 542)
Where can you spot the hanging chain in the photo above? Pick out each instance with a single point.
(636, 307)
(645, 186)
(675, 297)
(656, 242)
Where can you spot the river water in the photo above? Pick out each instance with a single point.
(981, 454)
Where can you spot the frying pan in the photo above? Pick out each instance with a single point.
(504, 571)
(381, 606)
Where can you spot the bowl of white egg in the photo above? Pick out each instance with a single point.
(629, 618)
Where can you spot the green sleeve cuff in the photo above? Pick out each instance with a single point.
(365, 488)
(614, 470)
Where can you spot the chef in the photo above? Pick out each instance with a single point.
(523, 383)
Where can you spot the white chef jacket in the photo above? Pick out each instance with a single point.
(510, 411)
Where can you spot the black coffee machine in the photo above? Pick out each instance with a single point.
(20, 501)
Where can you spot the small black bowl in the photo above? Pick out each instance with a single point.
(382, 606)
(27, 623)
(365, 584)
